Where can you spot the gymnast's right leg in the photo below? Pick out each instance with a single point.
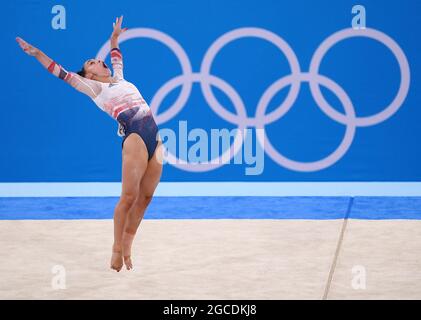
(135, 161)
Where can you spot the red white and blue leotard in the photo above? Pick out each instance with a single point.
(115, 99)
(112, 98)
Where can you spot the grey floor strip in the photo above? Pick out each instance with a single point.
(338, 249)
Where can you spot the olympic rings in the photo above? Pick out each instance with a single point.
(261, 119)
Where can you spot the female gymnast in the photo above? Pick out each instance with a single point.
(141, 152)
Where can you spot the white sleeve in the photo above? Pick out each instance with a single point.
(87, 86)
(117, 63)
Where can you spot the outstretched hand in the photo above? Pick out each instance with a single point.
(117, 28)
(29, 49)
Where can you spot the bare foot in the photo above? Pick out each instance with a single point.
(116, 259)
(127, 249)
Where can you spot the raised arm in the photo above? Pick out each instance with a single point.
(116, 56)
(86, 86)
(35, 52)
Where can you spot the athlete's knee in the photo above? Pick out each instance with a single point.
(127, 199)
(142, 200)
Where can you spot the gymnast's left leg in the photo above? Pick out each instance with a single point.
(135, 215)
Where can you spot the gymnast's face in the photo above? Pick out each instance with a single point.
(96, 67)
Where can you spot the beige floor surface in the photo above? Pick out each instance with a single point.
(213, 259)
(174, 259)
(386, 253)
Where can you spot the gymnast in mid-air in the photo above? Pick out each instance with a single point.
(141, 152)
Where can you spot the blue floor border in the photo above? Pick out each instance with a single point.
(308, 208)
(348, 211)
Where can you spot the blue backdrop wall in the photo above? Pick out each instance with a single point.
(51, 133)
